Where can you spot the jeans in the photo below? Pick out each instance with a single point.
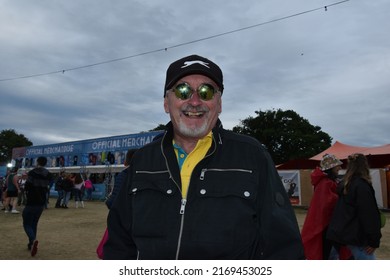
(66, 198)
(89, 193)
(78, 195)
(360, 254)
(31, 215)
(60, 197)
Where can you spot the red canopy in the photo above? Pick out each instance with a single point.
(342, 151)
(378, 157)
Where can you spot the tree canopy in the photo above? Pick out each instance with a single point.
(9, 139)
(286, 134)
(159, 127)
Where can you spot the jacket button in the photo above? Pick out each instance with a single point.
(134, 190)
(202, 191)
(169, 191)
(247, 194)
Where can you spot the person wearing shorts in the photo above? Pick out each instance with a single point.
(12, 192)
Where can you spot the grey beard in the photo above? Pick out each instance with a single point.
(190, 132)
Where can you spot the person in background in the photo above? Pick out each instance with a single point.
(78, 190)
(67, 187)
(88, 189)
(356, 219)
(12, 192)
(120, 179)
(3, 183)
(22, 195)
(200, 191)
(38, 180)
(51, 183)
(58, 187)
(324, 180)
(2, 190)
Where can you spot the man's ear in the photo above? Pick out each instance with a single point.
(166, 107)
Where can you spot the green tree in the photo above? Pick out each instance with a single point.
(9, 139)
(159, 127)
(286, 135)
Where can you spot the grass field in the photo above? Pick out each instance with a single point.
(73, 234)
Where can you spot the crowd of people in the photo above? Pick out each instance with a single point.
(31, 191)
(69, 186)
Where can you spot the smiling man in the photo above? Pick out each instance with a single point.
(199, 191)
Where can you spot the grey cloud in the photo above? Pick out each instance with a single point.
(331, 67)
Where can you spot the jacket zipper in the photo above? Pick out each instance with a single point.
(183, 200)
(183, 205)
(182, 210)
(202, 173)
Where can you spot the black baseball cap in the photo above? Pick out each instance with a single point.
(193, 64)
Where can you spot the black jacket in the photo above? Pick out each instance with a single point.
(356, 219)
(37, 186)
(236, 207)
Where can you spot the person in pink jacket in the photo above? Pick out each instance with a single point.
(88, 189)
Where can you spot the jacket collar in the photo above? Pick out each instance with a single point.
(169, 153)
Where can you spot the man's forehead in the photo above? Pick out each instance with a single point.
(198, 78)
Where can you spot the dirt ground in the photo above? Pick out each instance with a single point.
(63, 234)
(73, 234)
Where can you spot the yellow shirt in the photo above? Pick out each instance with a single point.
(188, 162)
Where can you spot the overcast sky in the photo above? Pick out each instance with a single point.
(330, 65)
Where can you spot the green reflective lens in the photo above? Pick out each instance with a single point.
(184, 91)
(206, 92)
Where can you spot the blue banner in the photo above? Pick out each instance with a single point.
(97, 151)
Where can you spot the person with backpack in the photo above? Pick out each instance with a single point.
(36, 187)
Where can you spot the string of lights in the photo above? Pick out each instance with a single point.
(325, 8)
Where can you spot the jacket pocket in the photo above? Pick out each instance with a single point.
(151, 194)
(240, 183)
(226, 207)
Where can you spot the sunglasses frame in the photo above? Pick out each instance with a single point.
(198, 90)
